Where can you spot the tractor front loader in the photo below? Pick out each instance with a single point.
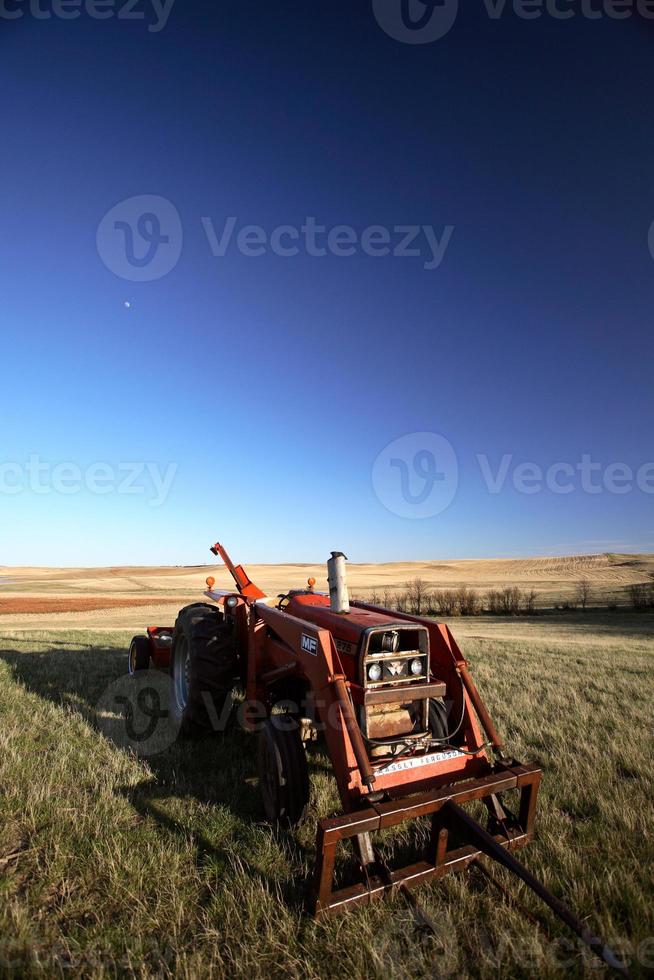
(391, 695)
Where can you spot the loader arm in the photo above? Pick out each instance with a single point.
(243, 582)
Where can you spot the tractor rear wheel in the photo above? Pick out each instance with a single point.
(203, 665)
(139, 654)
(283, 771)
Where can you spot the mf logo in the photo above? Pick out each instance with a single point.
(309, 644)
(140, 239)
(395, 668)
(415, 21)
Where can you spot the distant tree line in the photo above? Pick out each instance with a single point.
(420, 599)
(641, 595)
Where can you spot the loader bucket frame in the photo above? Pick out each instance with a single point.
(438, 859)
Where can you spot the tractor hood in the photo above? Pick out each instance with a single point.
(348, 628)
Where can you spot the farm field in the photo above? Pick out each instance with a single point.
(111, 864)
(129, 598)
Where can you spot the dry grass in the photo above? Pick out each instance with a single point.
(113, 865)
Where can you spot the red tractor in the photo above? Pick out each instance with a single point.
(405, 728)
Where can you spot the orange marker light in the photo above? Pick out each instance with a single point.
(311, 581)
(211, 581)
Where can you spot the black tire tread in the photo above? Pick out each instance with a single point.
(213, 663)
(438, 719)
(141, 645)
(293, 795)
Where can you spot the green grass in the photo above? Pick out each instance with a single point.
(111, 865)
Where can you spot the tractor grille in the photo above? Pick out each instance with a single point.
(396, 669)
(395, 655)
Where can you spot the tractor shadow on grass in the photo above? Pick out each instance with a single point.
(150, 799)
(218, 770)
(71, 675)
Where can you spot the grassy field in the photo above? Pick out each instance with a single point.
(115, 865)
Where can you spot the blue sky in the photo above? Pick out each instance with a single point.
(267, 387)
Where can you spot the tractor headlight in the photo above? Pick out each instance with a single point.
(374, 672)
(416, 667)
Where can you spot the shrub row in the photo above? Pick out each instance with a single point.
(419, 600)
(641, 595)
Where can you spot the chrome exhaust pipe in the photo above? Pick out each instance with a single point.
(339, 598)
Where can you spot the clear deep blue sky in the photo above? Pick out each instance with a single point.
(273, 383)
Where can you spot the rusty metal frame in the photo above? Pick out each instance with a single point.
(438, 860)
(412, 692)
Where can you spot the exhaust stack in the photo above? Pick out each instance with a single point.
(336, 576)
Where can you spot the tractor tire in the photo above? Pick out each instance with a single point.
(438, 719)
(139, 655)
(203, 665)
(283, 771)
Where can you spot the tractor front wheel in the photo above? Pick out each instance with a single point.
(438, 720)
(203, 665)
(283, 771)
(139, 654)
